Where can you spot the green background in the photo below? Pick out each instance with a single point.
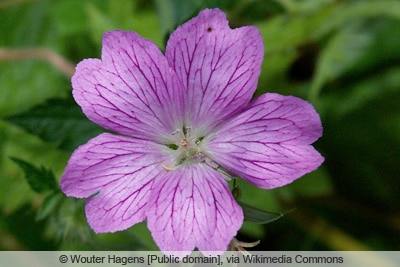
(343, 56)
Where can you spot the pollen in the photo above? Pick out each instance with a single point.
(184, 142)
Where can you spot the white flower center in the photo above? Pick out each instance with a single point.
(188, 147)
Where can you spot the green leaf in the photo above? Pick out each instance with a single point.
(111, 16)
(27, 82)
(361, 123)
(259, 216)
(49, 205)
(316, 183)
(362, 46)
(174, 12)
(342, 52)
(356, 10)
(357, 96)
(69, 17)
(99, 22)
(58, 120)
(39, 179)
(284, 39)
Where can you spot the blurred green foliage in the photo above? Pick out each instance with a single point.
(343, 56)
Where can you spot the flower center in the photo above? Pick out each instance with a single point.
(188, 147)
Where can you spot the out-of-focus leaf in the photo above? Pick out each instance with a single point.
(25, 83)
(147, 24)
(58, 120)
(242, 13)
(123, 15)
(283, 37)
(304, 6)
(337, 105)
(342, 52)
(17, 27)
(258, 199)
(39, 179)
(49, 205)
(256, 215)
(69, 16)
(360, 138)
(28, 233)
(99, 22)
(14, 190)
(314, 184)
(360, 38)
(173, 12)
(357, 10)
(358, 52)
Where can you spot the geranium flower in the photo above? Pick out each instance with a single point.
(185, 123)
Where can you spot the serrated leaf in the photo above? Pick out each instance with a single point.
(259, 216)
(39, 179)
(48, 205)
(58, 120)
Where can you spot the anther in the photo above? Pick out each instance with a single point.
(183, 142)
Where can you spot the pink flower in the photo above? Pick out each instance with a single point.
(185, 122)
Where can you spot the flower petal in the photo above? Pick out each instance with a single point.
(132, 90)
(217, 65)
(193, 207)
(269, 144)
(117, 173)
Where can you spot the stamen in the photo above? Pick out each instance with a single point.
(183, 142)
(211, 163)
(168, 168)
(216, 167)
